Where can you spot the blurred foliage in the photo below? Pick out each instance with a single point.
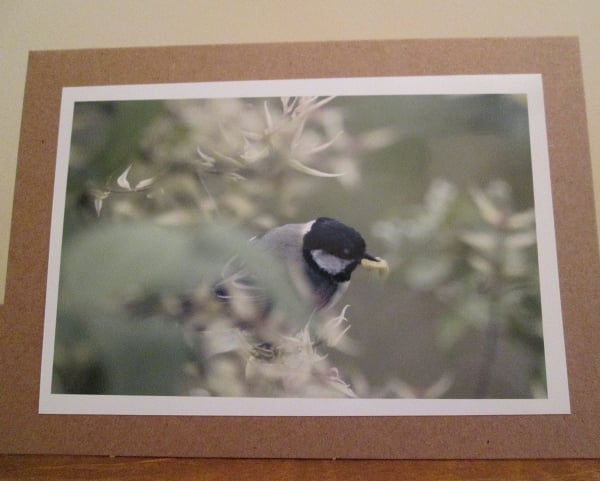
(162, 197)
(478, 259)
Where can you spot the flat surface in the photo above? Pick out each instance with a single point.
(103, 468)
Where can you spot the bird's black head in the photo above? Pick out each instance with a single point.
(333, 248)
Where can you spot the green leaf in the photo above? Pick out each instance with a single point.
(144, 358)
(104, 268)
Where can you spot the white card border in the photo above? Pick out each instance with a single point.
(557, 401)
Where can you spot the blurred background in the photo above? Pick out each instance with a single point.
(161, 195)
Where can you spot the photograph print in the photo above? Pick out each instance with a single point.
(380, 246)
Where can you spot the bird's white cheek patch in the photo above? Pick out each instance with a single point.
(329, 263)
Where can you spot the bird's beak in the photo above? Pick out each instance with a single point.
(372, 263)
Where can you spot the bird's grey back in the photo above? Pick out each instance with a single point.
(285, 242)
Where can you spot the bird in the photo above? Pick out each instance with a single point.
(319, 256)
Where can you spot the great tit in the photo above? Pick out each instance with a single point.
(320, 257)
